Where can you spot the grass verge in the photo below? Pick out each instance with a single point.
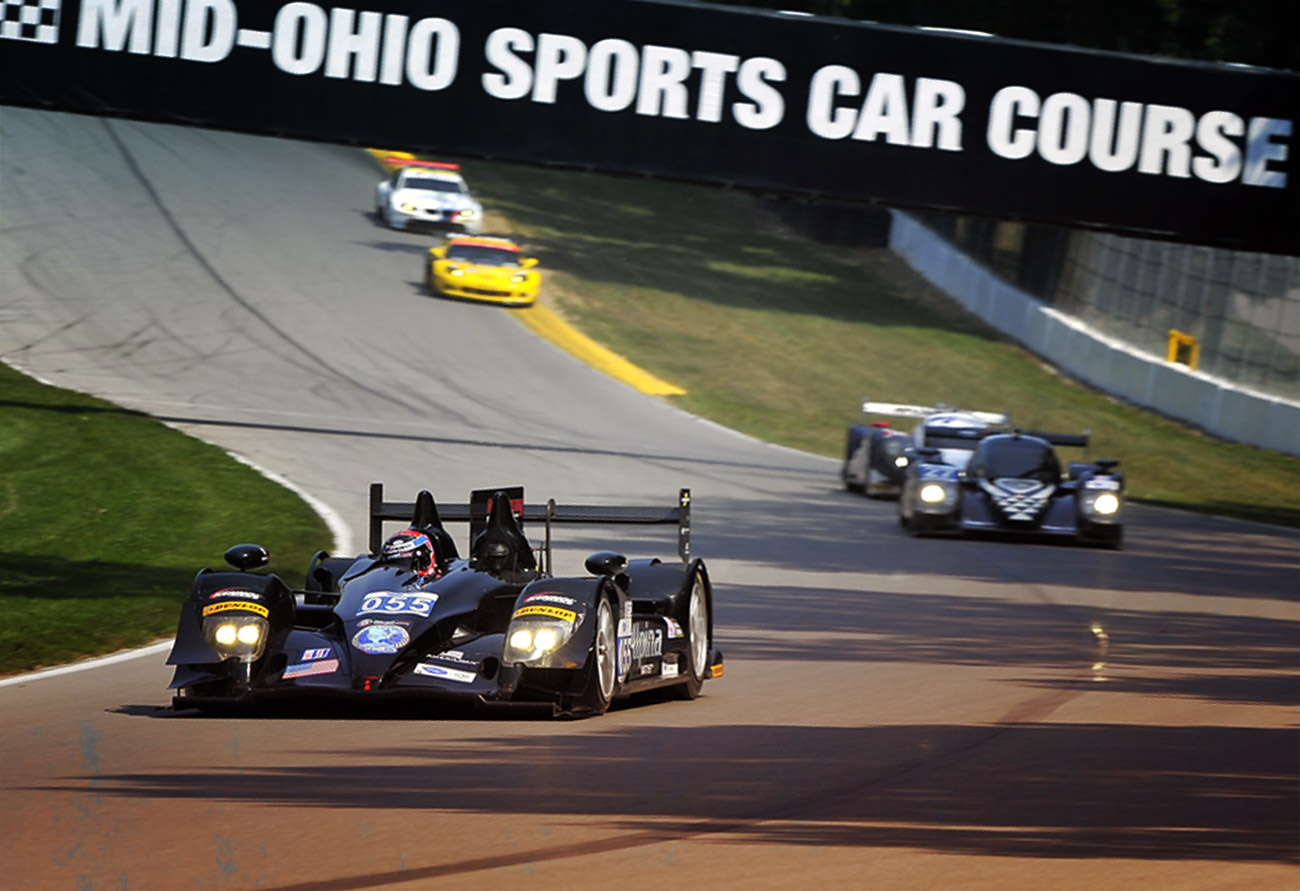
(782, 337)
(106, 514)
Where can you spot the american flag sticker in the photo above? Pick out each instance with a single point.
(313, 655)
(307, 669)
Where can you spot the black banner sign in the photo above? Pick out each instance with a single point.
(773, 102)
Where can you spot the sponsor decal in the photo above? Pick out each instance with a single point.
(669, 669)
(1108, 485)
(397, 603)
(455, 656)
(228, 605)
(553, 612)
(647, 668)
(440, 671)
(624, 655)
(313, 655)
(381, 638)
(241, 593)
(308, 669)
(674, 629)
(548, 597)
(627, 610)
(1018, 499)
(647, 641)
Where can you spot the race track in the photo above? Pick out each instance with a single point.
(896, 713)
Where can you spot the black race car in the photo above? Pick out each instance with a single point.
(1013, 483)
(876, 456)
(412, 618)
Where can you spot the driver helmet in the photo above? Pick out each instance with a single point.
(413, 548)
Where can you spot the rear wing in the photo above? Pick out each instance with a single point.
(474, 513)
(899, 410)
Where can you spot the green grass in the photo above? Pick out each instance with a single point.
(782, 337)
(105, 516)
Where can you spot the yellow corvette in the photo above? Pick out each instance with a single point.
(485, 268)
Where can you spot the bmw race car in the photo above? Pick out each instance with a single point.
(412, 619)
(427, 195)
(486, 268)
(876, 456)
(1013, 483)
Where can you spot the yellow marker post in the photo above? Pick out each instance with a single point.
(1178, 342)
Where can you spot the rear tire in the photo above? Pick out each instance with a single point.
(697, 653)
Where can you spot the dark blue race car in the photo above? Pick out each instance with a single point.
(1013, 483)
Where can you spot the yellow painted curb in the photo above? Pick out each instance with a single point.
(544, 323)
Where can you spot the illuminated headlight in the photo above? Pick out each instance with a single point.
(933, 493)
(408, 207)
(535, 641)
(456, 271)
(1102, 499)
(237, 637)
(1106, 503)
(519, 277)
(466, 214)
(900, 461)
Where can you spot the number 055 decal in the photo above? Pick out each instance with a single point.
(398, 604)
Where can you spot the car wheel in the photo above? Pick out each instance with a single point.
(602, 665)
(697, 630)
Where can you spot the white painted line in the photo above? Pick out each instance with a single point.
(125, 656)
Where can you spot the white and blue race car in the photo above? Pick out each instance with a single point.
(430, 195)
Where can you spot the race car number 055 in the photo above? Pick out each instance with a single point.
(392, 604)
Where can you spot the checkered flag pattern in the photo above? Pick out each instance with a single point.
(36, 21)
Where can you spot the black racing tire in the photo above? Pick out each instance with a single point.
(697, 639)
(428, 279)
(602, 665)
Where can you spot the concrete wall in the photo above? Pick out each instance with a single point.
(1215, 406)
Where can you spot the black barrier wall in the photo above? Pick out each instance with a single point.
(765, 101)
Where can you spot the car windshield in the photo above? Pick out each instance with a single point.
(431, 183)
(948, 438)
(480, 255)
(1018, 458)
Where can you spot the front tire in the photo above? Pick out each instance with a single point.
(602, 665)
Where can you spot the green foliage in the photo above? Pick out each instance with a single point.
(105, 516)
(1254, 33)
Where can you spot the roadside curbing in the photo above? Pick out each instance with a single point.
(543, 322)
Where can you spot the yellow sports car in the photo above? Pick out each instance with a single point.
(485, 268)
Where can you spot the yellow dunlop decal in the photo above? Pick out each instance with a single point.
(236, 604)
(554, 612)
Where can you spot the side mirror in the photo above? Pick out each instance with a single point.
(246, 557)
(438, 252)
(606, 563)
(527, 262)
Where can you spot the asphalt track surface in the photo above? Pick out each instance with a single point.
(895, 714)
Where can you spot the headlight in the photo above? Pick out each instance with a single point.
(466, 214)
(237, 637)
(455, 270)
(518, 277)
(535, 640)
(900, 461)
(933, 493)
(408, 207)
(1107, 504)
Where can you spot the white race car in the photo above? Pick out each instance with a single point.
(427, 195)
